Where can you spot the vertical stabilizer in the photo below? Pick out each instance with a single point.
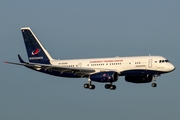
(35, 50)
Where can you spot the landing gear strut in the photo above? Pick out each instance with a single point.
(110, 86)
(89, 86)
(154, 84)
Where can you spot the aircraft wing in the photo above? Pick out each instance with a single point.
(80, 71)
(75, 70)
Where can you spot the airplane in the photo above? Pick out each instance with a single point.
(136, 69)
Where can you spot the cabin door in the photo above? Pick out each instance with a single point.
(150, 63)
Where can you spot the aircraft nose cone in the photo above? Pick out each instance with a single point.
(172, 67)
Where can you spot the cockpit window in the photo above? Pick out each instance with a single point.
(162, 61)
(167, 60)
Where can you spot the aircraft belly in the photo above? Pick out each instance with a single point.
(139, 72)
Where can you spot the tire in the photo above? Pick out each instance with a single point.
(153, 84)
(86, 86)
(114, 87)
(92, 87)
(107, 86)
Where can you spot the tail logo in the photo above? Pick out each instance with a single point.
(35, 52)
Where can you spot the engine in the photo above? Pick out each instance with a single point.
(109, 76)
(139, 79)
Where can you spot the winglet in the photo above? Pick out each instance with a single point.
(20, 59)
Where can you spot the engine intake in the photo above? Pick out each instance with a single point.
(109, 76)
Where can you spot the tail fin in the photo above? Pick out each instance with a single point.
(35, 50)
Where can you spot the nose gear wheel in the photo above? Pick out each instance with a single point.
(153, 84)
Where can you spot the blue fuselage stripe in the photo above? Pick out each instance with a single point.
(124, 73)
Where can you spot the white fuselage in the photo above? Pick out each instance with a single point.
(118, 64)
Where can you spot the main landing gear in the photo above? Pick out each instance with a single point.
(110, 86)
(89, 86)
(92, 87)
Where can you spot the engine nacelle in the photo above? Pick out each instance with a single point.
(139, 79)
(109, 76)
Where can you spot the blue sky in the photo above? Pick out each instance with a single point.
(83, 29)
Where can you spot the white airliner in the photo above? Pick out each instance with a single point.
(139, 69)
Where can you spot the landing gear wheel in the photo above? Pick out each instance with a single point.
(112, 87)
(92, 87)
(86, 86)
(153, 84)
(107, 86)
(89, 86)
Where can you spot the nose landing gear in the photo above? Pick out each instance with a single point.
(154, 85)
(154, 79)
